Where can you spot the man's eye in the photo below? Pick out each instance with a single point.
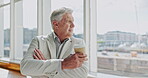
(70, 22)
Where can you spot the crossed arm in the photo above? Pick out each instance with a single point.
(35, 64)
(73, 61)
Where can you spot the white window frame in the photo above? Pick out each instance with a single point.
(1, 30)
(43, 11)
(16, 31)
(90, 32)
(12, 29)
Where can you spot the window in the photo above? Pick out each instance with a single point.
(122, 38)
(20, 29)
(29, 22)
(6, 37)
(77, 7)
(5, 29)
(24, 28)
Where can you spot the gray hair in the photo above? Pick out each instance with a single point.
(58, 14)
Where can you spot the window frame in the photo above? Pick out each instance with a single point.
(90, 31)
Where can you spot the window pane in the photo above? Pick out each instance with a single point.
(122, 37)
(7, 31)
(25, 25)
(29, 22)
(18, 30)
(77, 7)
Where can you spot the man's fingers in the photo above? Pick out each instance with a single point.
(80, 64)
(37, 54)
(40, 53)
(83, 59)
(35, 57)
(82, 55)
(86, 59)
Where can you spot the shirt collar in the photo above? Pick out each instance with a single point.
(56, 37)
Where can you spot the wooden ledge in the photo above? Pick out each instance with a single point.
(10, 64)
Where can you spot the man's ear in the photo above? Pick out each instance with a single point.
(55, 24)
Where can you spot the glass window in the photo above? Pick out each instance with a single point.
(122, 36)
(18, 35)
(7, 31)
(25, 25)
(77, 7)
(29, 22)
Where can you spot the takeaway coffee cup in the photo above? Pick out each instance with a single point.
(81, 50)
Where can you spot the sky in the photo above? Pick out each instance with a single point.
(112, 15)
(122, 15)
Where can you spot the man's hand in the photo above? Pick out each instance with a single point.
(38, 55)
(74, 61)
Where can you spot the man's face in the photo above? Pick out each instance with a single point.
(66, 25)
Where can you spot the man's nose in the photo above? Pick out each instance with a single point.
(72, 25)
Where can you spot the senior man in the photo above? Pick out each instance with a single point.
(53, 56)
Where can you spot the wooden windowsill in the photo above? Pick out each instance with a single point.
(10, 64)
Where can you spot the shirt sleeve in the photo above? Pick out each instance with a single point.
(60, 66)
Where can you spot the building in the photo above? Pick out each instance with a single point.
(115, 38)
